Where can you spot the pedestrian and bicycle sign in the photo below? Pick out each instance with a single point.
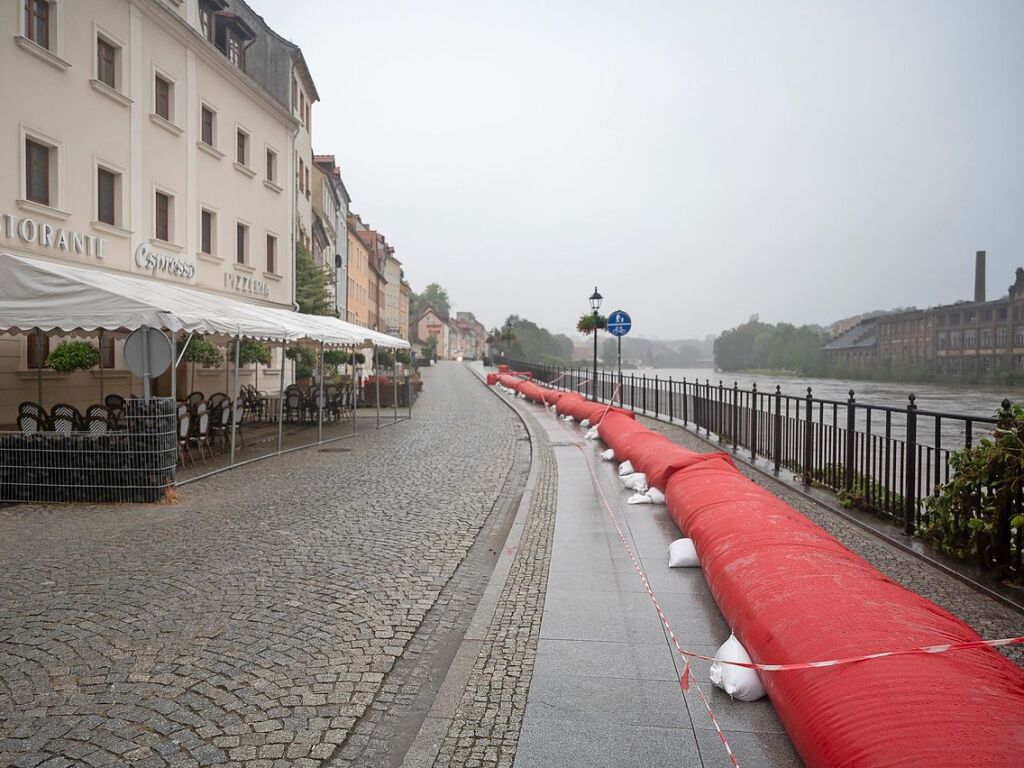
(619, 323)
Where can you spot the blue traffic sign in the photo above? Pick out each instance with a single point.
(619, 323)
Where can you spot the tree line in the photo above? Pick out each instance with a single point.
(781, 347)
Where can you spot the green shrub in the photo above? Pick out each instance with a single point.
(202, 352)
(73, 356)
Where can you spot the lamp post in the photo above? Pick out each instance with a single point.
(595, 304)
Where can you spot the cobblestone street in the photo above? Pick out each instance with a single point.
(256, 620)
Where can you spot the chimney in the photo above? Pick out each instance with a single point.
(979, 277)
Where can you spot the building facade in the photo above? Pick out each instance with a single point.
(142, 143)
(358, 304)
(433, 324)
(392, 293)
(341, 202)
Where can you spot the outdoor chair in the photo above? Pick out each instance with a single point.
(194, 398)
(184, 422)
(30, 424)
(115, 405)
(97, 410)
(216, 399)
(293, 406)
(98, 425)
(202, 435)
(64, 425)
(35, 409)
(224, 424)
(67, 412)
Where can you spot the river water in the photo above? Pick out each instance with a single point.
(971, 400)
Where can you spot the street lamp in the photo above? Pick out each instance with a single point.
(595, 304)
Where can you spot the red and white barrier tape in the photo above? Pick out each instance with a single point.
(684, 678)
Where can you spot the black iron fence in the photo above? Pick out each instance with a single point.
(879, 458)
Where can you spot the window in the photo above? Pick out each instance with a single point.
(37, 22)
(1018, 336)
(307, 184)
(37, 172)
(1000, 337)
(38, 349)
(271, 254)
(271, 165)
(163, 217)
(106, 196)
(207, 226)
(986, 315)
(954, 339)
(970, 318)
(106, 351)
(164, 90)
(242, 148)
(970, 339)
(295, 95)
(986, 338)
(241, 243)
(236, 53)
(302, 176)
(1001, 313)
(206, 22)
(106, 62)
(209, 127)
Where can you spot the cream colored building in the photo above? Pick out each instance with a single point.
(135, 141)
(392, 294)
(431, 324)
(404, 296)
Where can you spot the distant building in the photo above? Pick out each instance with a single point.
(433, 324)
(468, 336)
(976, 338)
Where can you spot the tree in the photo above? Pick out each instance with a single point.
(312, 285)
(435, 295)
(73, 356)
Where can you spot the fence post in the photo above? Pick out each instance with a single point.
(644, 393)
(809, 439)
(778, 427)
(1004, 499)
(910, 479)
(657, 397)
(851, 425)
(671, 408)
(753, 421)
(685, 410)
(734, 426)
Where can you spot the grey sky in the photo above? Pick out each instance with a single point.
(697, 161)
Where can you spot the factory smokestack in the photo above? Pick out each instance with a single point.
(979, 277)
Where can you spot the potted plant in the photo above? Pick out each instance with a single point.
(305, 362)
(73, 356)
(201, 352)
(590, 322)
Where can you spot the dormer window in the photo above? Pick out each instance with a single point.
(233, 36)
(207, 18)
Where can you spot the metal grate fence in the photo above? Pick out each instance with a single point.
(135, 463)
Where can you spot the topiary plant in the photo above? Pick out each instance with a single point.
(73, 356)
(202, 352)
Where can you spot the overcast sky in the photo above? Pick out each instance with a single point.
(698, 161)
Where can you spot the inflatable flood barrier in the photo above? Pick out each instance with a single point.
(793, 594)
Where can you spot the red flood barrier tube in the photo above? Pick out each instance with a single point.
(793, 594)
(492, 379)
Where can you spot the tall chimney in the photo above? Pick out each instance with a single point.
(979, 277)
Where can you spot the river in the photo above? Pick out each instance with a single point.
(972, 400)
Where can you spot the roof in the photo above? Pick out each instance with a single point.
(861, 336)
(65, 297)
(428, 307)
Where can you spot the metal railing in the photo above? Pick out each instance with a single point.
(133, 464)
(879, 458)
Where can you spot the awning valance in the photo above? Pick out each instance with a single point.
(65, 297)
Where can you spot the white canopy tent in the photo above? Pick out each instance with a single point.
(37, 294)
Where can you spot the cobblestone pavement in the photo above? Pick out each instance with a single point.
(989, 618)
(255, 621)
(485, 729)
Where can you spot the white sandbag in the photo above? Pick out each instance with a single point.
(608, 455)
(639, 498)
(739, 682)
(585, 423)
(656, 496)
(682, 554)
(626, 468)
(592, 434)
(635, 482)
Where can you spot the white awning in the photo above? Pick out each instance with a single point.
(65, 297)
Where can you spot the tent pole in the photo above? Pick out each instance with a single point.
(174, 366)
(408, 387)
(320, 399)
(102, 393)
(376, 381)
(394, 383)
(39, 365)
(280, 400)
(234, 399)
(354, 388)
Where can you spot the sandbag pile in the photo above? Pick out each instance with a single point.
(793, 594)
